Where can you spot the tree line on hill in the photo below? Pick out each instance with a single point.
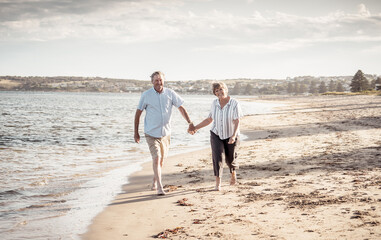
(315, 87)
(296, 86)
(311, 85)
(360, 83)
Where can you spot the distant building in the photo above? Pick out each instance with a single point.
(378, 87)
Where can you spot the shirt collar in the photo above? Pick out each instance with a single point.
(218, 102)
(153, 89)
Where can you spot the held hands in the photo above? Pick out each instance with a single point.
(192, 129)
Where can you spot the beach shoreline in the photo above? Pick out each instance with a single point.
(310, 169)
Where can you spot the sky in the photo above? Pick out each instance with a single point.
(190, 39)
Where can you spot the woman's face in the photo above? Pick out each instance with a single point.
(221, 92)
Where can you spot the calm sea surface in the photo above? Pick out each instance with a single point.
(64, 156)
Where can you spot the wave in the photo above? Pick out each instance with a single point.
(9, 193)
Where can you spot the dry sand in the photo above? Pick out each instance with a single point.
(311, 170)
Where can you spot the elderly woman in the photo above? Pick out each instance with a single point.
(224, 134)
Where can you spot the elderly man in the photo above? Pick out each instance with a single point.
(158, 102)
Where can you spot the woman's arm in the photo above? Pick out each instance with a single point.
(236, 125)
(202, 124)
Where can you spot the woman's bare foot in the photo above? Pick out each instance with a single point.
(233, 179)
(218, 184)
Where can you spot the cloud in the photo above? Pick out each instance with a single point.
(363, 11)
(124, 20)
(155, 21)
(15, 10)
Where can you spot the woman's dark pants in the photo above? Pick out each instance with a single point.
(220, 149)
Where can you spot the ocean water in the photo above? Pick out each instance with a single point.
(64, 156)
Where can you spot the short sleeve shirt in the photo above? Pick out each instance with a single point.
(223, 125)
(158, 106)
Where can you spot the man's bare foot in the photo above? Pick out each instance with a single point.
(217, 188)
(160, 192)
(154, 185)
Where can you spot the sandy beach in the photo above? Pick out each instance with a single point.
(310, 170)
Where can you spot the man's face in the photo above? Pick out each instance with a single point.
(158, 82)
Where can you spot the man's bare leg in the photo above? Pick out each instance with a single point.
(157, 176)
(154, 181)
(154, 184)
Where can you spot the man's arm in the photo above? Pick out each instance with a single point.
(185, 115)
(136, 126)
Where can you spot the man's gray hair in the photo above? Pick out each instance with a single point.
(157, 73)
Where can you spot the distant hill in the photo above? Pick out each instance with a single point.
(67, 83)
(98, 84)
(242, 86)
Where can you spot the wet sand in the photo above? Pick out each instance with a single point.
(311, 170)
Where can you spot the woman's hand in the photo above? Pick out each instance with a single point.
(192, 132)
(232, 139)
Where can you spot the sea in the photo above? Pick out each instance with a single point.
(64, 156)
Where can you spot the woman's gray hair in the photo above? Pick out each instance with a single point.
(157, 73)
(219, 85)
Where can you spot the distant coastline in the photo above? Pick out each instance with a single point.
(239, 86)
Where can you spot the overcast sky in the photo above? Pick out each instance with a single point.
(190, 39)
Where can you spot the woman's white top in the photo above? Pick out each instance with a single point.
(223, 125)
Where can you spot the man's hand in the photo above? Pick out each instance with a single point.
(137, 137)
(232, 140)
(136, 125)
(191, 129)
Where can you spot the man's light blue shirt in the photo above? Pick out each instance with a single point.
(158, 106)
